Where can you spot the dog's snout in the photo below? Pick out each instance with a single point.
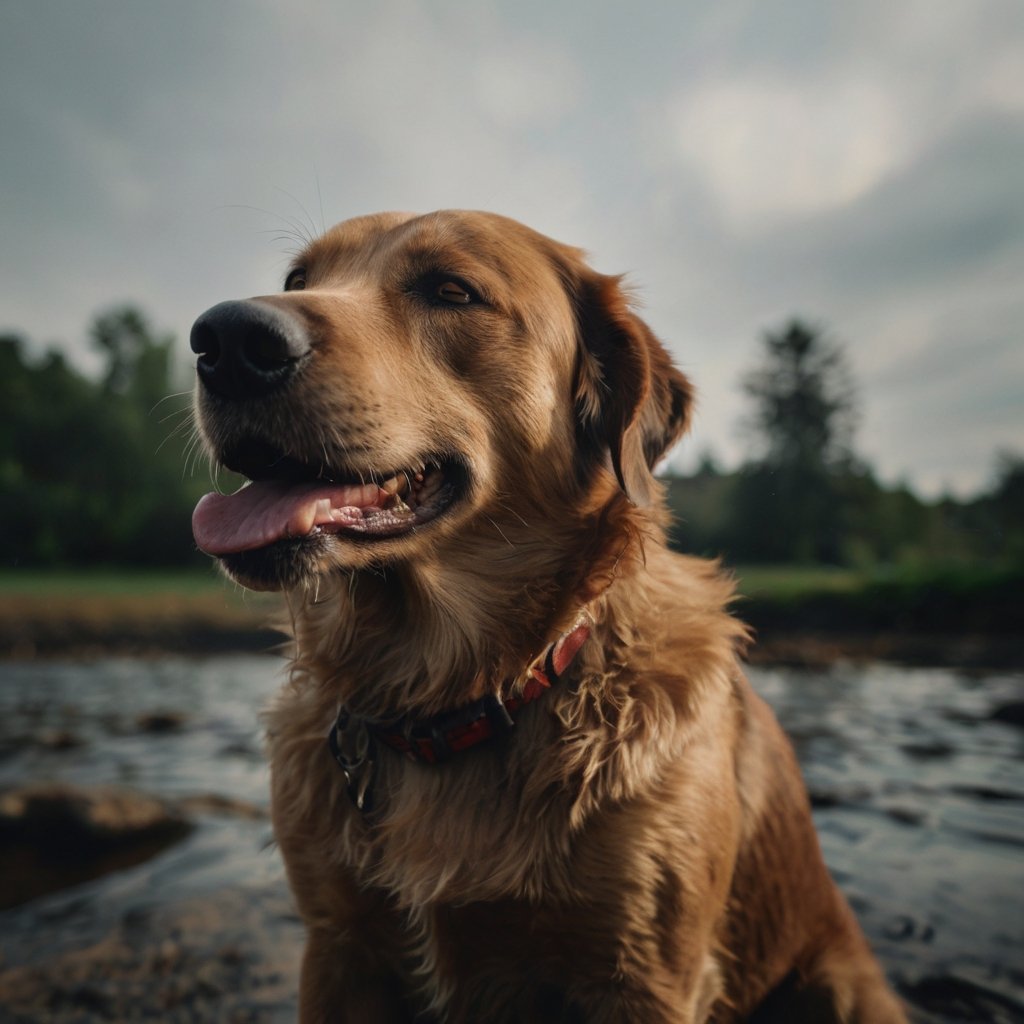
(247, 348)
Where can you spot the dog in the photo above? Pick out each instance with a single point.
(517, 773)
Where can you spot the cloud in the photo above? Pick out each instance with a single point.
(857, 164)
(779, 133)
(770, 149)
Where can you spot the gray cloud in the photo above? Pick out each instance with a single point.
(856, 163)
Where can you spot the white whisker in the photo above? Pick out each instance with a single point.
(498, 528)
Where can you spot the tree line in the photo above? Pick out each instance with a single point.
(93, 471)
(805, 497)
(104, 470)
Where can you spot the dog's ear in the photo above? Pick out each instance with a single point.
(631, 401)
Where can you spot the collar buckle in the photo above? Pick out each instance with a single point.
(352, 745)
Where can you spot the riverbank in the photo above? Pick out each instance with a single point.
(967, 617)
(96, 613)
(230, 956)
(798, 617)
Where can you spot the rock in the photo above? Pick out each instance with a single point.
(58, 739)
(928, 749)
(221, 806)
(89, 819)
(57, 834)
(823, 797)
(958, 998)
(161, 721)
(1012, 713)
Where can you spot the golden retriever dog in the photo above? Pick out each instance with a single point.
(517, 772)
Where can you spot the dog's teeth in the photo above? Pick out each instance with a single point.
(396, 488)
(394, 503)
(427, 489)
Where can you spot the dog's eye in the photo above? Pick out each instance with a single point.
(452, 291)
(441, 288)
(296, 280)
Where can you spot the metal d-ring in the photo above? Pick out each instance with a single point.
(352, 746)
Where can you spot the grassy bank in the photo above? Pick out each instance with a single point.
(95, 611)
(958, 599)
(47, 583)
(956, 615)
(965, 616)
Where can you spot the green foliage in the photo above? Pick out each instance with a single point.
(138, 364)
(88, 472)
(997, 518)
(701, 505)
(875, 525)
(928, 599)
(805, 499)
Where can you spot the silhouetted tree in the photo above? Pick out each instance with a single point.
(804, 400)
(788, 500)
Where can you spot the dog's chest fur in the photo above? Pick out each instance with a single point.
(551, 828)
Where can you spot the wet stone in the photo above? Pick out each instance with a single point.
(159, 722)
(58, 834)
(1012, 713)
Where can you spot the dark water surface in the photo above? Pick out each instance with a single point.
(917, 777)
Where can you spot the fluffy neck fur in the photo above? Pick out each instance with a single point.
(457, 623)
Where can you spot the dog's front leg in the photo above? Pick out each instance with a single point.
(606, 961)
(352, 967)
(343, 985)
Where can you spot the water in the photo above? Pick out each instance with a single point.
(918, 794)
(103, 706)
(918, 797)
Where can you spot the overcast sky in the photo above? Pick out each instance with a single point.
(857, 163)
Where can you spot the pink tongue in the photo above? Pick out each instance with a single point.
(267, 511)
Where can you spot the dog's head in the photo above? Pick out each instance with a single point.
(420, 379)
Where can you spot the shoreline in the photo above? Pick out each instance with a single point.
(54, 634)
(813, 618)
(90, 617)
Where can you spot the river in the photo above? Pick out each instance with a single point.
(916, 776)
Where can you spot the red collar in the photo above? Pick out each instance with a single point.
(436, 739)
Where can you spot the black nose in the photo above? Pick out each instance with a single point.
(247, 349)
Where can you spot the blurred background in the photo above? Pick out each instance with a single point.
(820, 209)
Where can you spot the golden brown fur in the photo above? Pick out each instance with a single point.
(640, 848)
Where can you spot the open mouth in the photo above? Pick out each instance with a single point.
(288, 499)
